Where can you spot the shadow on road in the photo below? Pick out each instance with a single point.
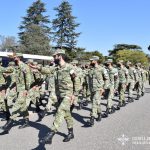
(80, 119)
(43, 130)
(2, 116)
(86, 108)
(115, 100)
(104, 104)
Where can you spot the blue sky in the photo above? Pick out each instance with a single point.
(104, 23)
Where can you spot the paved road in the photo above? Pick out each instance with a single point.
(127, 129)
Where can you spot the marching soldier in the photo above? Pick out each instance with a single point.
(11, 93)
(138, 77)
(96, 85)
(78, 84)
(64, 76)
(52, 99)
(144, 78)
(123, 81)
(23, 85)
(113, 77)
(131, 80)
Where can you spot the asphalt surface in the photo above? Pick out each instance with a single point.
(126, 129)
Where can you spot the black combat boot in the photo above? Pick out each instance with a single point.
(69, 136)
(130, 100)
(123, 103)
(112, 110)
(37, 105)
(91, 121)
(5, 129)
(138, 97)
(105, 115)
(85, 103)
(118, 106)
(25, 124)
(142, 94)
(98, 119)
(80, 106)
(48, 138)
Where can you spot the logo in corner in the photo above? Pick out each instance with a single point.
(123, 139)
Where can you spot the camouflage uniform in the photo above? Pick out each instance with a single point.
(22, 84)
(131, 81)
(78, 83)
(64, 76)
(4, 84)
(11, 93)
(96, 85)
(113, 77)
(123, 81)
(33, 92)
(86, 89)
(64, 91)
(51, 88)
(138, 79)
(149, 76)
(144, 78)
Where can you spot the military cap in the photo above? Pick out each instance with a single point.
(94, 58)
(75, 62)
(128, 63)
(108, 61)
(120, 61)
(11, 63)
(30, 61)
(138, 64)
(59, 51)
(35, 63)
(40, 65)
(18, 55)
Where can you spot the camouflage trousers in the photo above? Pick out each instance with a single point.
(79, 97)
(63, 112)
(138, 86)
(130, 88)
(86, 92)
(20, 106)
(143, 86)
(121, 90)
(110, 97)
(96, 103)
(11, 95)
(2, 97)
(32, 95)
(51, 100)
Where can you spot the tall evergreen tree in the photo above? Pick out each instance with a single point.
(64, 26)
(34, 35)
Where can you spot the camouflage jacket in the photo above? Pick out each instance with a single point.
(123, 75)
(62, 78)
(96, 78)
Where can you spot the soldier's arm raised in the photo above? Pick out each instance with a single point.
(6, 70)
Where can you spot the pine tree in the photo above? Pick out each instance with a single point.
(64, 26)
(34, 35)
